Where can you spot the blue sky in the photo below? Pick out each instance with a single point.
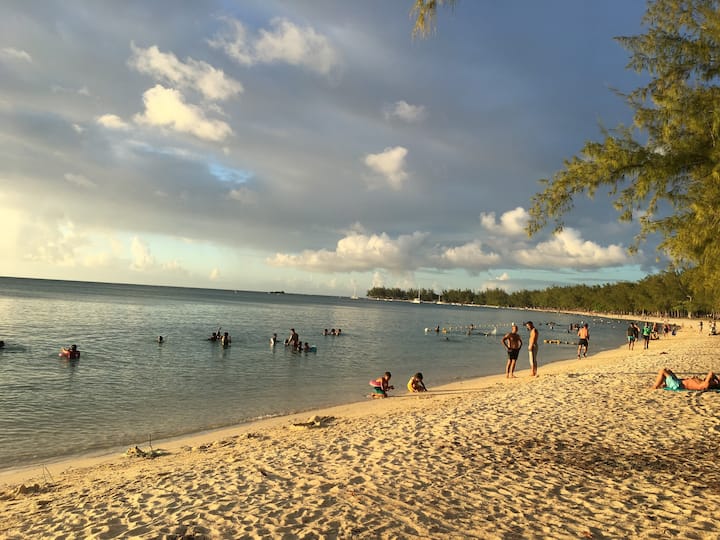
(307, 146)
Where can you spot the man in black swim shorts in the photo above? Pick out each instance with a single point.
(513, 343)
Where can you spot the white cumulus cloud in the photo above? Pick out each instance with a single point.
(470, 256)
(567, 249)
(166, 107)
(212, 83)
(284, 42)
(390, 163)
(512, 222)
(404, 111)
(359, 252)
(112, 121)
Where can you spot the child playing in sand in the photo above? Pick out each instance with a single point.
(381, 385)
(416, 384)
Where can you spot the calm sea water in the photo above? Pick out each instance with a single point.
(126, 388)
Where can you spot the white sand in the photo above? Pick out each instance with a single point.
(585, 450)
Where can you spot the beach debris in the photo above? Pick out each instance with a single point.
(313, 422)
(23, 490)
(202, 447)
(135, 451)
(223, 442)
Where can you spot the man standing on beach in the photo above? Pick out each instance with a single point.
(513, 344)
(631, 337)
(583, 339)
(532, 347)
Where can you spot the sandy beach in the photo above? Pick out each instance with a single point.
(585, 450)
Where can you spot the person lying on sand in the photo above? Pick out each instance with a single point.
(667, 379)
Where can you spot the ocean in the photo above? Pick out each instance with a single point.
(127, 389)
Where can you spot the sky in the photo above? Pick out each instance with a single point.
(310, 146)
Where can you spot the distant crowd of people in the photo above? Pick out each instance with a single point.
(648, 332)
(713, 328)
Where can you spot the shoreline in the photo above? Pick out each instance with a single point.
(39, 471)
(584, 450)
(35, 471)
(50, 467)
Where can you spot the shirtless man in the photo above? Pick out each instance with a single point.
(583, 338)
(532, 347)
(666, 378)
(293, 340)
(513, 343)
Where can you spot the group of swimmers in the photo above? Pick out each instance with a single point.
(332, 332)
(224, 339)
(381, 385)
(293, 341)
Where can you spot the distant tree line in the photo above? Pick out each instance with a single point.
(667, 294)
